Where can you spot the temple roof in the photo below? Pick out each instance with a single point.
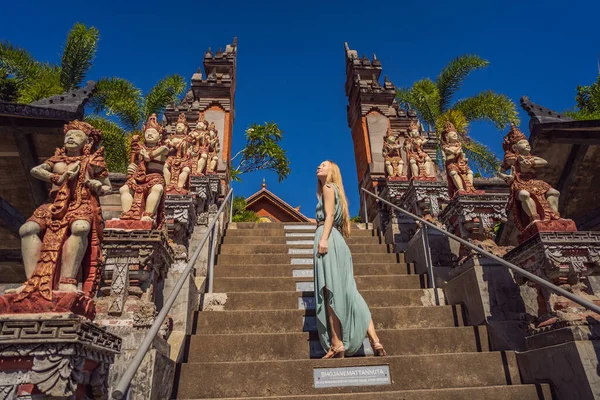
(265, 195)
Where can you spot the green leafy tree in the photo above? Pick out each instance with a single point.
(240, 214)
(356, 219)
(433, 102)
(588, 102)
(29, 80)
(263, 151)
(120, 110)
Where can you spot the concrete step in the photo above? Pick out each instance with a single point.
(509, 392)
(295, 377)
(279, 321)
(287, 270)
(245, 259)
(363, 282)
(295, 346)
(228, 239)
(295, 249)
(238, 301)
(292, 234)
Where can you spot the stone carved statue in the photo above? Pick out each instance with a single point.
(177, 166)
(61, 241)
(394, 165)
(143, 195)
(420, 164)
(200, 146)
(460, 176)
(531, 200)
(214, 147)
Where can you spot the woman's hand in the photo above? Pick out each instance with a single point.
(323, 246)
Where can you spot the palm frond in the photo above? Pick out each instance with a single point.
(45, 83)
(167, 90)
(423, 97)
(453, 75)
(18, 64)
(119, 97)
(489, 106)
(481, 158)
(78, 55)
(115, 141)
(458, 120)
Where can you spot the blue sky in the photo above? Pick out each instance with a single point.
(291, 60)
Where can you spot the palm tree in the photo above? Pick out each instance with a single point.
(432, 100)
(120, 109)
(588, 101)
(24, 79)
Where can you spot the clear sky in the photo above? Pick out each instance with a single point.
(291, 60)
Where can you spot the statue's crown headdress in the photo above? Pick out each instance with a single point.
(153, 123)
(182, 120)
(449, 127)
(514, 135)
(414, 125)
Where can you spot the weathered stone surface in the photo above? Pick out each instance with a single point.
(55, 355)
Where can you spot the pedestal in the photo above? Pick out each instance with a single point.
(567, 358)
(206, 188)
(130, 296)
(181, 219)
(568, 259)
(54, 356)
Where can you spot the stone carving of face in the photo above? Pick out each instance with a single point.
(522, 147)
(453, 136)
(151, 136)
(323, 169)
(75, 140)
(180, 129)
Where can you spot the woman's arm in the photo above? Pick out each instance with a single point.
(329, 206)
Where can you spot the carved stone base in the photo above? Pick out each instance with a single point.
(54, 356)
(207, 189)
(128, 224)
(567, 259)
(136, 262)
(559, 225)
(473, 216)
(181, 217)
(62, 302)
(425, 199)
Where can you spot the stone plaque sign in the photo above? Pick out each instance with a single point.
(303, 273)
(300, 251)
(301, 261)
(366, 375)
(305, 286)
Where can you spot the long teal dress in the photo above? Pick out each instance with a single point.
(334, 271)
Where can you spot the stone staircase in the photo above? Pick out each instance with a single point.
(263, 344)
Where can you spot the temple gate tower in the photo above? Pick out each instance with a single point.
(212, 96)
(372, 113)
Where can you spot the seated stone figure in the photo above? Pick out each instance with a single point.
(200, 146)
(214, 147)
(420, 164)
(177, 166)
(460, 176)
(394, 165)
(531, 200)
(143, 195)
(61, 241)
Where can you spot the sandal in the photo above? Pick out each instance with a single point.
(378, 349)
(335, 352)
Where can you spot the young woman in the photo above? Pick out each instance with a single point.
(343, 317)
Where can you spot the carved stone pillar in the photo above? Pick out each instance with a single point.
(568, 259)
(181, 219)
(207, 191)
(58, 355)
(130, 296)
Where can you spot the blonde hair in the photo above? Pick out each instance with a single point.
(335, 176)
